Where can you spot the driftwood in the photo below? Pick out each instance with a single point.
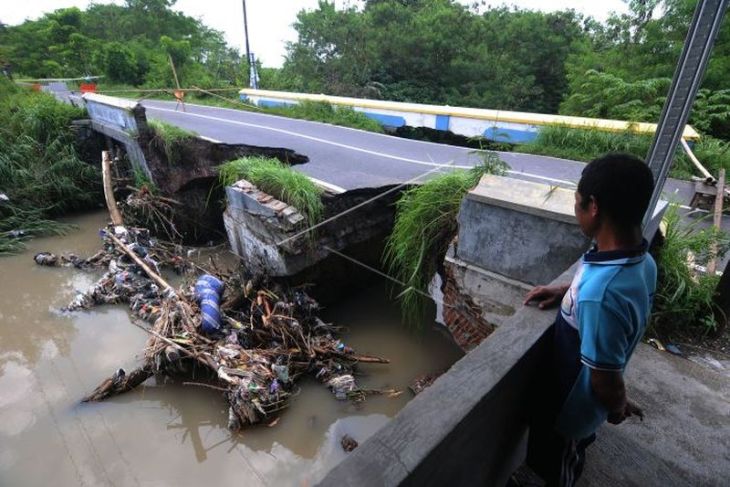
(119, 382)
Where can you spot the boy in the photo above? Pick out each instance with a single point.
(602, 317)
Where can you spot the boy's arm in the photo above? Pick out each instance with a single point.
(604, 345)
(610, 391)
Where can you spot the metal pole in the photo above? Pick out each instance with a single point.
(251, 68)
(685, 84)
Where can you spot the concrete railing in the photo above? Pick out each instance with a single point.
(122, 120)
(497, 125)
(469, 427)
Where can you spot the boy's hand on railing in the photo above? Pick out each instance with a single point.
(546, 296)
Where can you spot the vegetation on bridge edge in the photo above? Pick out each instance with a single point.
(41, 174)
(684, 300)
(280, 181)
(587, 144)
(425, 223)
(170, 138)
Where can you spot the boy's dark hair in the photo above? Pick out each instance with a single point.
(622, 185)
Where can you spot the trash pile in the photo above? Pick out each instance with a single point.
(125, 280)
(226, 332)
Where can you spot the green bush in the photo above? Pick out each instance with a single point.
(425, 222)
(684, 298)
(40, 172)
(279, 180)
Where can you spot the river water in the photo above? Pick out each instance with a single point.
(168, 434)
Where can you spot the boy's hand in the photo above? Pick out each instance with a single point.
(630, 409)
(546, 296)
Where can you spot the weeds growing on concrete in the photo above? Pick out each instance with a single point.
(425, 223)
(41, 176)
(170, 137)
(587, 144)
(684, 297)
(279, 180)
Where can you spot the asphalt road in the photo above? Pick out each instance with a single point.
(347, 158)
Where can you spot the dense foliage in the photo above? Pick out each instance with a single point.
(130, 43)
(441, 51)
(684, 299)
(41, 176)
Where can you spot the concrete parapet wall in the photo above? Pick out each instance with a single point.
(122, 120)
(259, 228)
(255, 222)
(522, 230)
(468, 428)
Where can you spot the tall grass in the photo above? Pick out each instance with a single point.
(684, 298)
(279, 180)
(170, 138)
(587, 144)
(425, 223)
(40, 172)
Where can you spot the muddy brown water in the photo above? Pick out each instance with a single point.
(168, 434)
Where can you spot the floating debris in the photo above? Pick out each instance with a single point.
(422, 382)
(251, 343)
(348, 443)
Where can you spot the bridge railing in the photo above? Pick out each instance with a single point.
(122, 120)
(496, 125)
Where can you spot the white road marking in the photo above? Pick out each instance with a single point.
(209, 139)
(326, 185)
(350, 147)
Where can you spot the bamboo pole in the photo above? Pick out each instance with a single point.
(148, 270)
(111, 203)
(179, 94)
(117, 219)
(717, 220)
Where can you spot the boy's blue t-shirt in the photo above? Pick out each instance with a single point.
(602, 318)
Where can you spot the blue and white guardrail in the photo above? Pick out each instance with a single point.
(495, 125)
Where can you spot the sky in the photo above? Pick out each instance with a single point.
(270, 21)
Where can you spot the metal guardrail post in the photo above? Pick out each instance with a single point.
(685, 84)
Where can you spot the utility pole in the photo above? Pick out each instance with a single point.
(252, 75)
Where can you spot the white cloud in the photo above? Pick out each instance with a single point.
(270, 21)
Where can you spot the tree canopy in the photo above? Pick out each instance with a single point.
(128, 43)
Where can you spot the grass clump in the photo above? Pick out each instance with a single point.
(41, 176)
(425, 223)
(683, 301)
(319, 111)
(170, 138)
(279, 180)
(587, 144)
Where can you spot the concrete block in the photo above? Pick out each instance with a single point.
(522, 230)
(241, 199)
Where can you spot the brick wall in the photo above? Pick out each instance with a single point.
(461, 315)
